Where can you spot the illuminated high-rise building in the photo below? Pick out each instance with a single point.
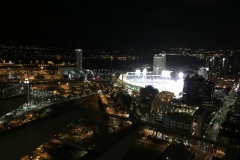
(27, 90)
(159, 63)
(78, 61)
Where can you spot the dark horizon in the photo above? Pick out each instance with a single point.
(117, 25)
(134, 49)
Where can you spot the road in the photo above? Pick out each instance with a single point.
(219, 117)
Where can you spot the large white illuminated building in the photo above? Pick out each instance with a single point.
(163, 82)
(159, 78)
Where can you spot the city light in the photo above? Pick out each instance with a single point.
(137, 72)
(180, 75)
(160, 82)
(166, 73)
(26, 81)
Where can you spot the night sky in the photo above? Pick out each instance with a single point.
(121, 24)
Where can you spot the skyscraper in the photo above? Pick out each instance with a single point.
(78, 61)
(159, 63)
(27, 90)
(193, 90)
(197, 90)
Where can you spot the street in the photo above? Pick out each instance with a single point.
(219, 117)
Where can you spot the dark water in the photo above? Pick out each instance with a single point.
(183, 61)
(132, 65)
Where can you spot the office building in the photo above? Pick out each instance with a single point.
(209, 91)
(197, 90)
(27, 90)
(159, 63)
(193, 90)
(173, 114)
(203, 71)
(224, 64)
(10, 90)
(147, 95)
(199, 119)
(70, 71)
(78, 62)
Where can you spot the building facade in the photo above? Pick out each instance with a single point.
(159, 63)
(199, 119)
(193, 90)
(27, 90)
(78, 62)
(197, 91)
(10, 90)
(147, 95)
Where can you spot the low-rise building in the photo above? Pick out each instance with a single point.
(10, 90)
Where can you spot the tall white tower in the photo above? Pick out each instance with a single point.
(78, 62)
(159, 63)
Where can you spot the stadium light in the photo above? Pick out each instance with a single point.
(137, 72)
(180, 75)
